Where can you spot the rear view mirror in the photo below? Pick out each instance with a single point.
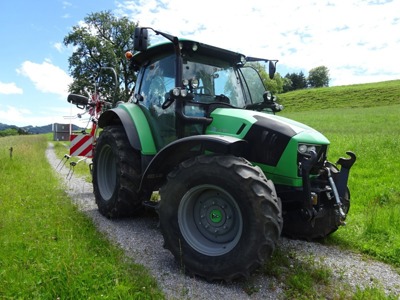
(272, 68)
(79, 100)
(140, 39)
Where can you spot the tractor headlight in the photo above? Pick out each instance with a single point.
(306, 149)
(267, 96)
(312, 148)
(185, 82)
(191, 83)
(302, 148)
(194, 83)
(179, 92)
(184, 93)
(176, 92)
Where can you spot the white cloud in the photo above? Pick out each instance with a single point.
(10, 88)
(59, 46)
(337, 34)
(21, 117)
(46, 77)
(12, 115)
(66, 4)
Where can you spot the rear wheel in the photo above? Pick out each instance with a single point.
(219, 216)
(116, 174)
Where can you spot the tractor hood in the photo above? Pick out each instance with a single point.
(270, 133)
(239, 122)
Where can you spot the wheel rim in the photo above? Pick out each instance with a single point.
(106, 174)
(210, 220)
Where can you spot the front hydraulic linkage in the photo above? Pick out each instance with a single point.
(341, 180)
(342, 214)
(308, 211)
(339, 183)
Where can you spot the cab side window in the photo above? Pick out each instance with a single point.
(158, 80)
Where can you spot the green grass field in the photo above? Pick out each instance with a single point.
(373, 224)
(365, 119)
(48, 249)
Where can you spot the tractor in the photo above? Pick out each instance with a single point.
(232, 176)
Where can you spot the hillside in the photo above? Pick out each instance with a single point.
(34, 129)
(5, 126)
(349, 96)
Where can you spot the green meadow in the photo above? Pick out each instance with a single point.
(363, 119)
(50, 250)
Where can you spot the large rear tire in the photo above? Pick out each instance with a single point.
(219, 216)
(116, 174)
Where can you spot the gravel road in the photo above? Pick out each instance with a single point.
(142, 241)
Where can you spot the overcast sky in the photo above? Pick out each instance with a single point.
(359, 42)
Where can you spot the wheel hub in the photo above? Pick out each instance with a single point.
(216, 218)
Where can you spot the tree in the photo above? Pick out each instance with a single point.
(294, 81)
(287, 84)
(318, 77)
(9, 132)
(101, 42)
(302, 81)
(274, 85)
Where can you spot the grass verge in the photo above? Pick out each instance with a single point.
(48, 249)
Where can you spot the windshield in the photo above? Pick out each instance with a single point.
(254, 85)
(217, 82)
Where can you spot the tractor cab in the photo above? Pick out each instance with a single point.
(181, 82)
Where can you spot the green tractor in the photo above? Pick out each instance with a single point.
(232, 176)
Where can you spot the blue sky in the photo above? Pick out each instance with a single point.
(359, 42)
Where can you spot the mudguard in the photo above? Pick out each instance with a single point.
(185, 148)
(135, 124)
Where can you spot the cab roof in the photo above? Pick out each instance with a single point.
(187, 47)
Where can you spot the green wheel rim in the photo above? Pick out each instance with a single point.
(210, 220)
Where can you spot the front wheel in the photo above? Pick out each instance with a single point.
(219, 216)
(116, 174)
